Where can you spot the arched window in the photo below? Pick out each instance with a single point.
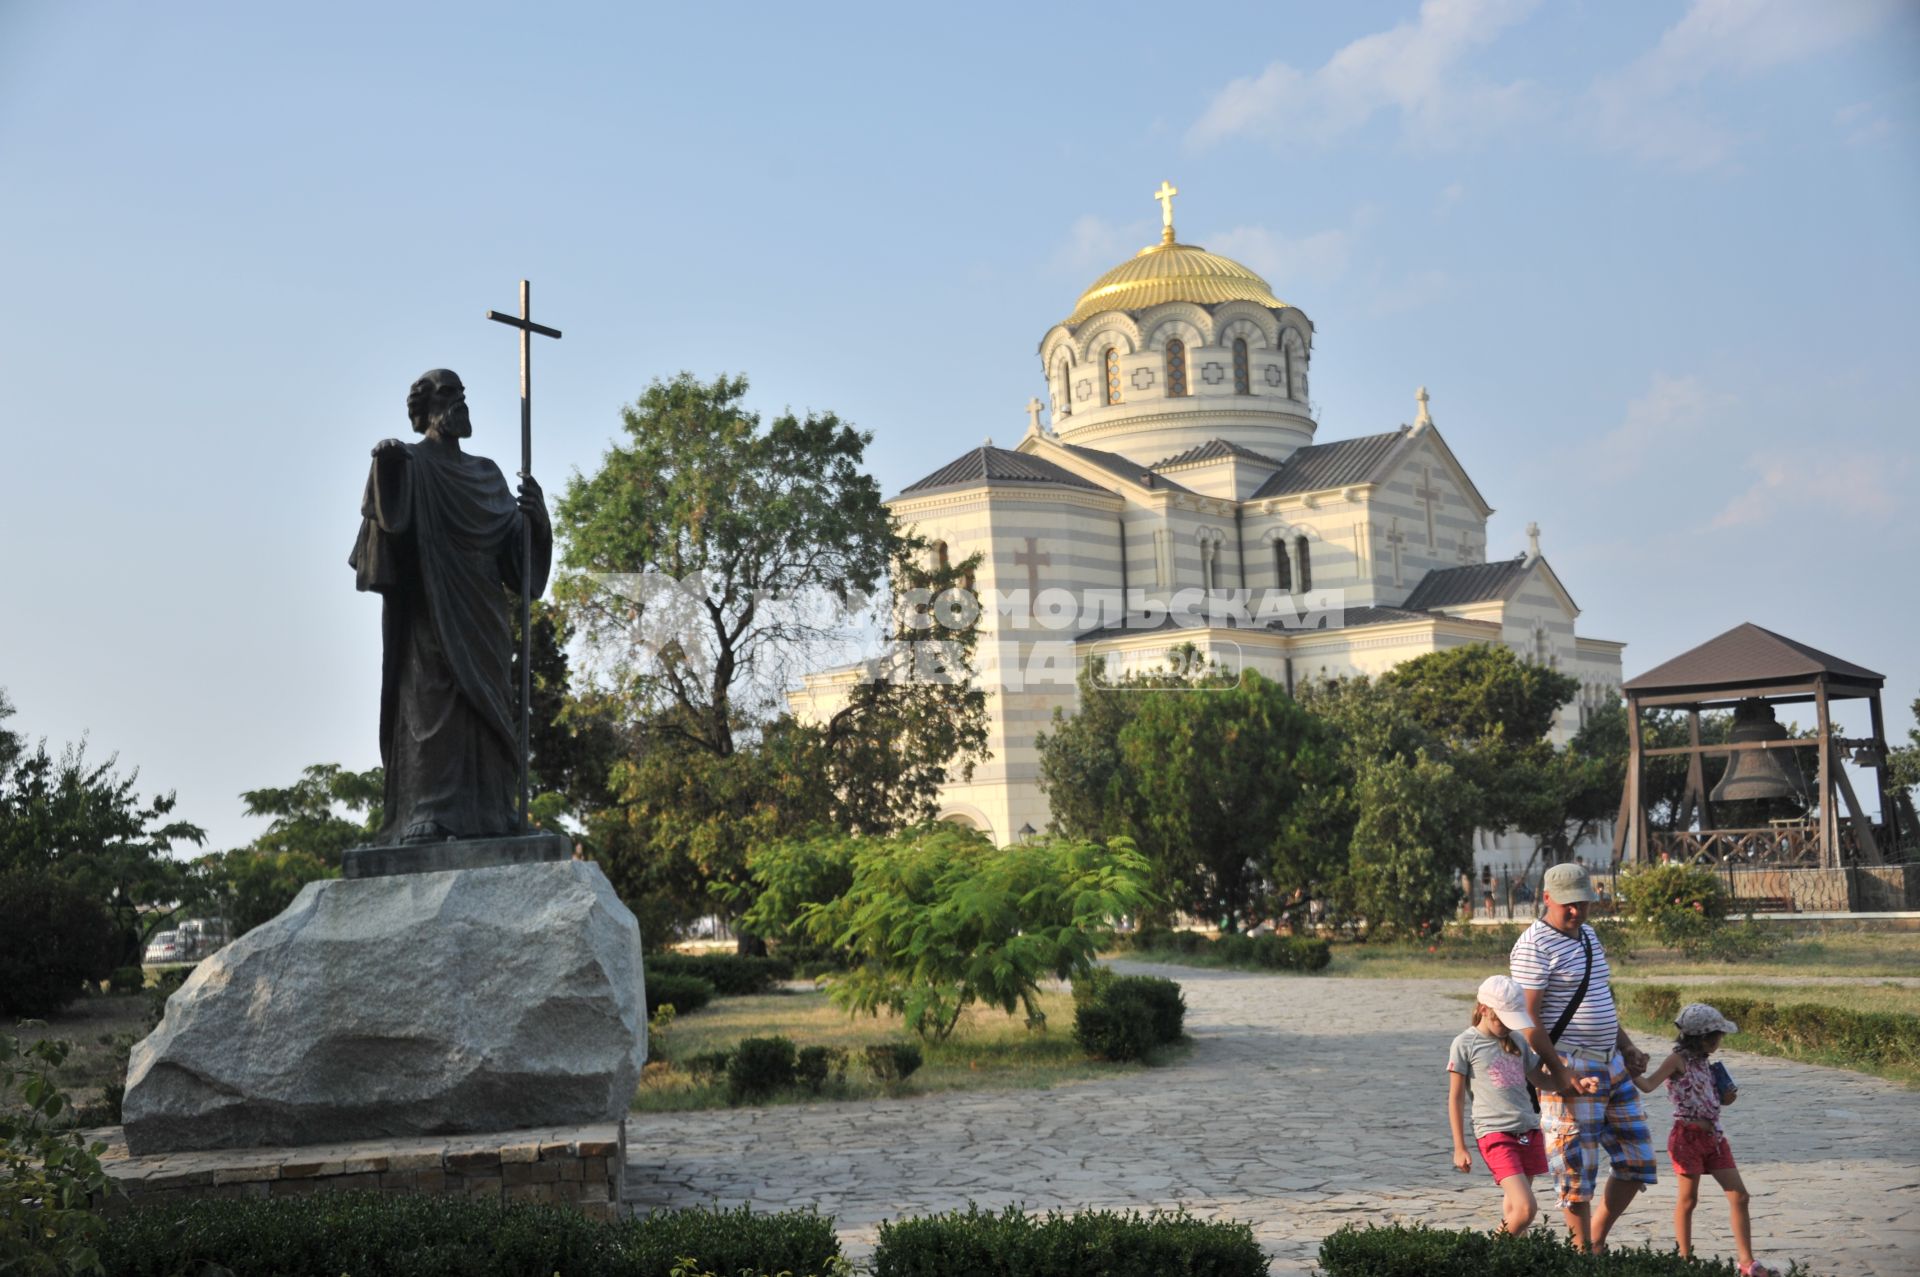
(1242, 380)
(1286, 354)
(1282, 567)
(1306, 562)
(1113, 375)
(940, 561)
(1063, 397)
(1176, 366)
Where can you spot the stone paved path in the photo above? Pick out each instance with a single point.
(1305, 1104)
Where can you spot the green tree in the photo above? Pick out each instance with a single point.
(743, 531)
(85, 823)
(322, 814)
(1903, 761)
(573, 743)
(1412, 842)
(937, 919)
(249, 886)
(1492, 711)
(708, 559)
(1232, 789)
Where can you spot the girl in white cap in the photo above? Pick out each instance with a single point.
(1495, 1064)
(1697, 1144)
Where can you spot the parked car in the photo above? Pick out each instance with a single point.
(166, 946)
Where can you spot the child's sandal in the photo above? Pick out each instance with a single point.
(1757, 1269)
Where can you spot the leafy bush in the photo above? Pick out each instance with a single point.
(684, 993)
(709, 1066)
(1122, 1017)
(326, 1234)
(1878, 1038)
(127, 979)
(48, 1175)
(892, 1061)
(732, 975)
(1084, 1244)
(815, 1064)
(937, 918)
(759, 1067)
(53, 941)
(1415, 1250)
(1684, 907)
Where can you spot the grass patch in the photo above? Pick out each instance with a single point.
(99, 1028)
(1656, 1032)
(1479, 951)
(989, 1050)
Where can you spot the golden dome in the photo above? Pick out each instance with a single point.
(1172, 272)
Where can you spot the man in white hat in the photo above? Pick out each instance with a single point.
(1560, 964)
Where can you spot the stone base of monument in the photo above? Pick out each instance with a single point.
(426, 1004)
(582, 1166)
(454, 853)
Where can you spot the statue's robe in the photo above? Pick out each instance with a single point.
(440, 541)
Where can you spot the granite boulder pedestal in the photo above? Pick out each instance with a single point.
(420, 1003)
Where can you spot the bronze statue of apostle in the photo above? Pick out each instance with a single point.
(440, 541)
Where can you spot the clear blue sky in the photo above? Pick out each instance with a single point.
(1657, 263)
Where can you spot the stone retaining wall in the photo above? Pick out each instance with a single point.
(579, 1166)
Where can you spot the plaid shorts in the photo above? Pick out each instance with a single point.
(1579, 1127)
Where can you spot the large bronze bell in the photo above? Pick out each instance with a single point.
(1754, 774)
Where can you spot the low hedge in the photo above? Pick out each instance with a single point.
(977, 1243)
(732, 975)
(1879, 1038)
(327, 1234)
(684, 993)
(1258, 953)
(1122, 1017)
(1403, 1250)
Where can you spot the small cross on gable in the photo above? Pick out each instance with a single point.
(1033, 413)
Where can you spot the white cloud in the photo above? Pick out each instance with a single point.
(1805, 485)
(1286, 262)
(1863, 124)
(1671, 408)
(1409, 292)
(1649, 107)
(1095, 244)
(1415, 68)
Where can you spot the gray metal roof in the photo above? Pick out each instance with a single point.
(1212, 449)
(1123, 467)
(1748, 655)
(1474, 583)
(998, 465)
(1331, 465)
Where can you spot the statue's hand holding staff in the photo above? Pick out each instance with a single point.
(533, 502)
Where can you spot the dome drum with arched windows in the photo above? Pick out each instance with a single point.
(1176, 346)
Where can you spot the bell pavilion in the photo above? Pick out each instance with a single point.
(1181, 494)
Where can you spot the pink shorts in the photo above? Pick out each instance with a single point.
(1510, 1153)
(1698, 1150)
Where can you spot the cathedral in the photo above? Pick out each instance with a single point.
(1180, 500)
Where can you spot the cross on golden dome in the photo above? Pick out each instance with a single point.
(1165, 195)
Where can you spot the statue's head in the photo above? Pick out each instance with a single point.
(438, 402)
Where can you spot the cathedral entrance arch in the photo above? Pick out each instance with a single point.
(966, 816)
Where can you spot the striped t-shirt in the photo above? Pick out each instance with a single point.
(1548, 960)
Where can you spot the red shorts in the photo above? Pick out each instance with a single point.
(1698, 1150)
(1509, 1153)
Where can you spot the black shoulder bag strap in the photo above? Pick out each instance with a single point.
(1566, 1016)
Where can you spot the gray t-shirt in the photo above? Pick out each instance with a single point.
(1499, 1082)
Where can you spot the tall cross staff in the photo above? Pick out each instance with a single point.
(524, 322)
